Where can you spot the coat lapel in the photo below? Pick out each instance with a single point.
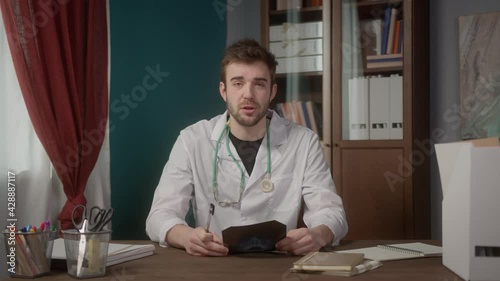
(219, 131)
(278, 135)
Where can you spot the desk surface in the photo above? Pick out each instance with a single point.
(175, 264)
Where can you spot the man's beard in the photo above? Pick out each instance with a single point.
(245, 121)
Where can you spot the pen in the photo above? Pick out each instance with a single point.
(210, 214)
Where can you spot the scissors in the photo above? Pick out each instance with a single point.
(93, 220)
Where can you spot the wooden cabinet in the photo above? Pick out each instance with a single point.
(383, 179)
(384, 182)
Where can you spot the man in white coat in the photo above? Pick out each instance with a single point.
(253, 165)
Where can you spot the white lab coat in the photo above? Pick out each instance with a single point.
(298, 169)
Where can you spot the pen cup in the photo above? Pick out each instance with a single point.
(86, 253)
(29, 254)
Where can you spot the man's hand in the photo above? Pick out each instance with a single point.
(305, 240)
(197, 241)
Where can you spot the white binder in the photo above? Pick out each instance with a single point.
(396, 107)
(297, 48)
(379, 108)
(295, 31)
(358, 109)
(299, 64)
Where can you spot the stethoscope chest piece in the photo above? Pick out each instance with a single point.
(266, 185)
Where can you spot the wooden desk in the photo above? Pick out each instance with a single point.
(174, 264)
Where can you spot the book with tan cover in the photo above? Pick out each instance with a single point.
(322, 261)
(364, 266)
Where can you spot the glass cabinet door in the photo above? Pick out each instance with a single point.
(372, 70)
(299, 36)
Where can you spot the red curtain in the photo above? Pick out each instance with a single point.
(60, 54)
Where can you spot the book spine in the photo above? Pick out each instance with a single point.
(396, 37)
(384, 59)
(385, 34)
(390, 34)
(298, 264)
(400, 42)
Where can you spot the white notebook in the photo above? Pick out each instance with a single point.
(398, 251)
(117, 253)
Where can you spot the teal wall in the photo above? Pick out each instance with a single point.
(184, 39)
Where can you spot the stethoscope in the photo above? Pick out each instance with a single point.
(266, 185)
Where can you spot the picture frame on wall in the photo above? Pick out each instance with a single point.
(479, 45)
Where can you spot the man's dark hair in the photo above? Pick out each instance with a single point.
(248, 50)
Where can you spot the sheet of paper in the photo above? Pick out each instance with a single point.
(403, 251)
(427, 249)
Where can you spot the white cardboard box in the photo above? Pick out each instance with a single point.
(470, 179)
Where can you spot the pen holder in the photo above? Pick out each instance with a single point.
(86, 253)
(29, 254)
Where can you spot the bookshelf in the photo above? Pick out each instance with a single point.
(382, 178)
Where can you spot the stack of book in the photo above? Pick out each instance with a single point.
(331, 263)
(304, 113)
(390, 60)
(385, 39)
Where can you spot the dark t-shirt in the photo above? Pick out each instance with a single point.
(247, 150)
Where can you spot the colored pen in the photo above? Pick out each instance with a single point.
(210, 214)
